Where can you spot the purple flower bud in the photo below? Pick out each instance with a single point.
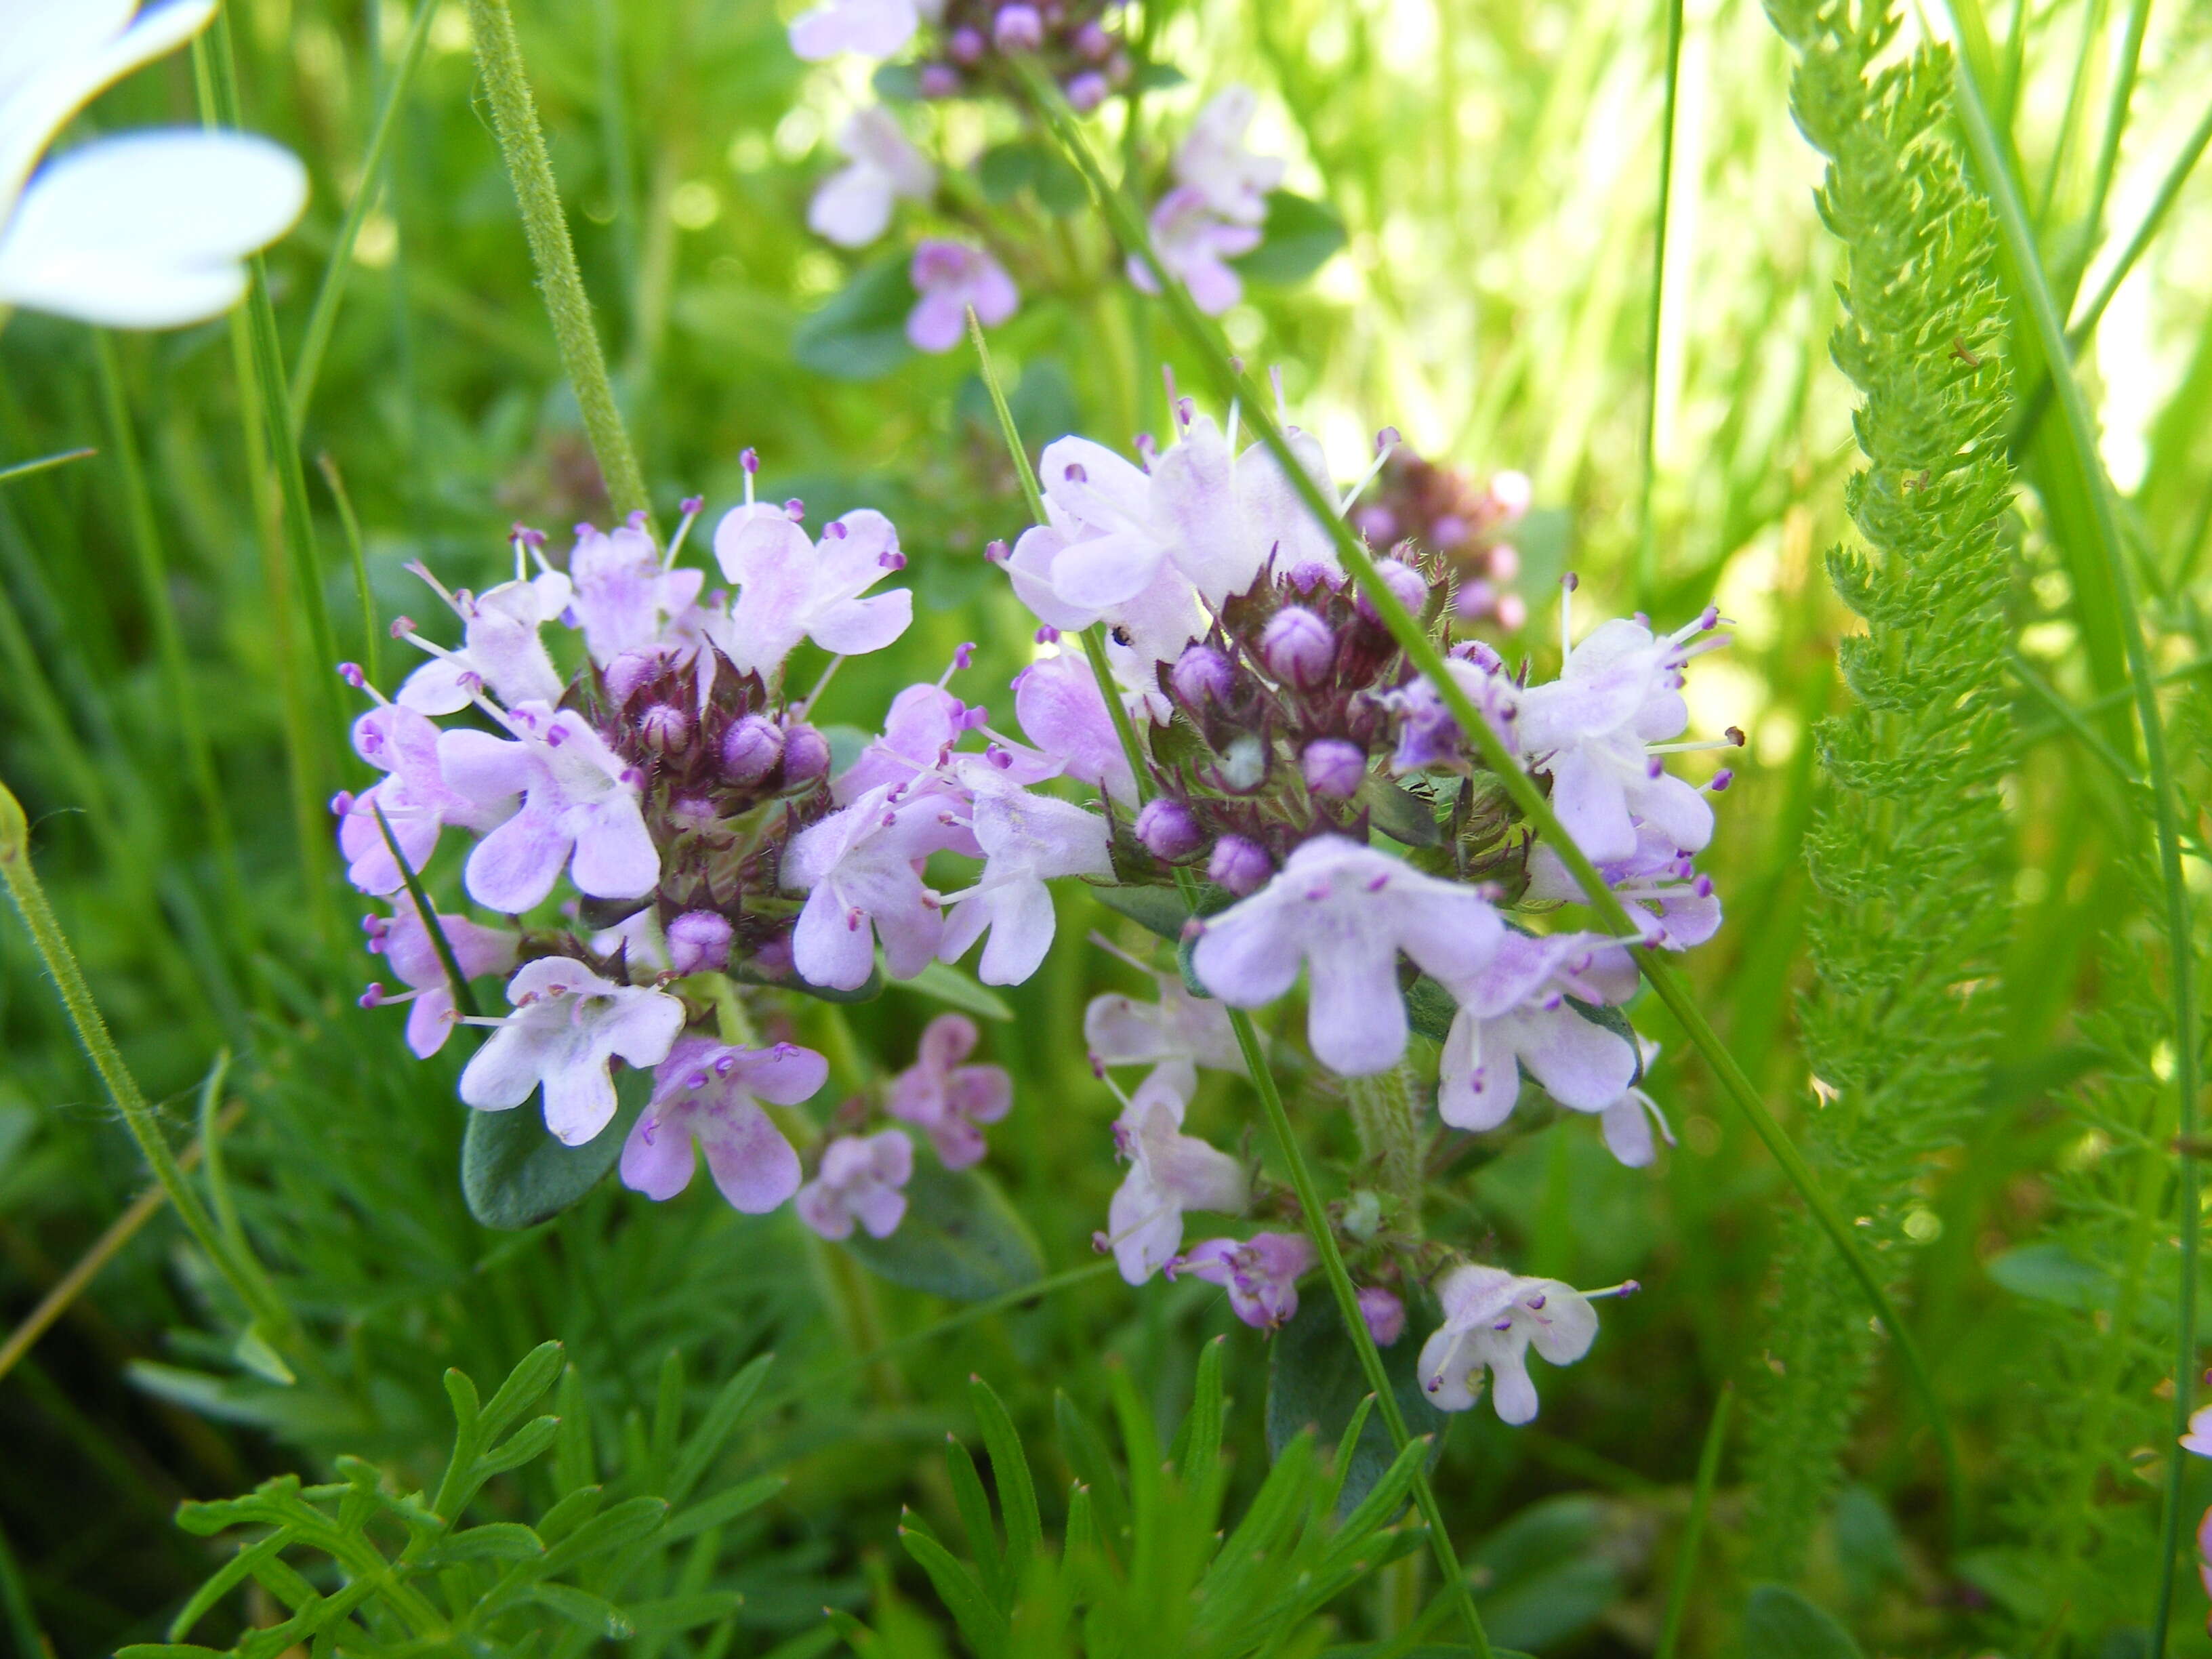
(750, 749)
(1094, 43)
(1168, 831)
(965, 45)
(1334, 768)
(1384, 1313)
(1087, 91)
(1243, 866)
(664, 727)
(805, 754)
(1410, 586)
(631, 669)
(1297, 648)
(1018, 29)
(1202, 677)
(938, 80)
(1311, 574)
(698, 941)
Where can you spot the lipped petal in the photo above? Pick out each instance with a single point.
(1579, 1062)
(579, 1099)
(751, 1162)
(657, 1158)
(853, 206)
(514, 867)
(851, 627)
(1592, 805)
(1355, 1018)
(503, 1073)
(615, 855)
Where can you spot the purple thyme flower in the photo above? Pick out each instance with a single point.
(1056, 700)
(500, 650)
(1169, 1172)
(791, 589)
(413, 796)
(1214, 161)
(1193, 244)
(405, 942)
(1260, 1274)
(950, 277)
(853, 206)
(859, 1181)
(1345, 911)
(1174, 1036)
(568, 1024)
(1384, 1313)
(1519, 1012)
(578, 796)
(623, 597)
(1676, 906)
(859, 867)
(947, 1100)
(1027, 840)
(709, 1094)
(1492, 1319)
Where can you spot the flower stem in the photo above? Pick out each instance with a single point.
(1390, 1135)
(244, 1273)
(1422, 652)
(522, 143)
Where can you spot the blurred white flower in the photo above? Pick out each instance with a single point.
(141, 230)
(853, 205)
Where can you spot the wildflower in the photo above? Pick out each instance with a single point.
(1384, 1313)
(859, 1180)
(580, 808)
(708, 1093)
(1027, 840)
(858, 869)
(1675, 906)
(406, 943)
(946, 1099)
(1492, 1318)
(1194, 243)
(853, 206)
(1523, 1009)
(623, 597)
(1213, 159)
(413, 796)
(1429, 734)
(1260, 1274)
(1057, 701)
(1153, 624)
(501, 651)
(1346, 910)
(1629, 1121)
(698, 941)
(1618, 693)
(1169, 1172)
(138, 230)
(1174, 1036)
(867, 28)
(951, 277)
(790, 589)
(568, 1024)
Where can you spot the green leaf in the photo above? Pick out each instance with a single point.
(1429, 1008)
(1157, 909)
(514, 1174)
(254, 1351)
(724, 1505)
(982, 1624)
(960, 1239)
(1297, 238)
(2050, 1272)
(1008, 169)
(525, 1387)
(1314, 1380)
(1406, 818)
(581, 1608)
(860, 334)
(497, 1541)
(1780, 1623)
(1545, 1573)
(846, 743)
(958, 988)
(676, 1613)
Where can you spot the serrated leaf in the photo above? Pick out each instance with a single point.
(514, 1174)
(1297, 238)
(1314, 1380)
(960, 1239)
(1780, 1623)
(859, 332)
(958, 989)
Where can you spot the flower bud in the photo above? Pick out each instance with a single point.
(750, 749)
(1018, 29)
(1384, 1313)
(1297, 648)
(806, 755)
(1410, 586)
(627, 672)
(938, 80)
(1087, 91)
(1202, 677)
(664, 727)
(1094, 43)
(1334, 768)
(966, 45)
(698, 941)
(1168, 831)
(1243, 866)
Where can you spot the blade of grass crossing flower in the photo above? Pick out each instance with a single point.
(1263, 1080)
(2036, 299)
(327, 464)
(456, 981)
(1422, 652)
(44, 463)
(1693, 1530)
(239, 1268)
(522, 144)
(1012, 434)
(1647, 550)
(316, 340)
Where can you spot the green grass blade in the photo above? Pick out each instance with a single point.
(42, 464)
(1647, 549)
(1701, 1503)
(2036, 301)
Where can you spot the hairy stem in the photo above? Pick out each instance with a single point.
(522, 144)
(1390, 1135)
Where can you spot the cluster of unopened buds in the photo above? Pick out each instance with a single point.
(1213, 209)
(683, 792)
(1348, 827)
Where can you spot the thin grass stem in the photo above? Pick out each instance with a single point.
(2154, 217)
(1693, 1530)
(1647, 548)
(522, 144)
(44, 463)
(357, 557)
(2035, 299)
(1422, 652)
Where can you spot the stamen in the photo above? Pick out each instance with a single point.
(692, 506)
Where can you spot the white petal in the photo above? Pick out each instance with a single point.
(62, 52)
(147, 230)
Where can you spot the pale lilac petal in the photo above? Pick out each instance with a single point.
(1477, 1082)
(751, 1162)
(514, 867)
(1628, 1129)
(1355, 1017)
(827, 949)
(1579, 1063)
(615, 854)
(580, 1100)
(853, 206)
(1108, 570)
(1567, 1326)
(1511, 1390)
(657, 1158)
(784, 1075)
(938, 321)
(1677, 810)
(880, 1210)
(502, 1075)
(1021, 933)
(430, 1021)
(870, 28)
(1592, 806)
(858, 626)
(1247, 958)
